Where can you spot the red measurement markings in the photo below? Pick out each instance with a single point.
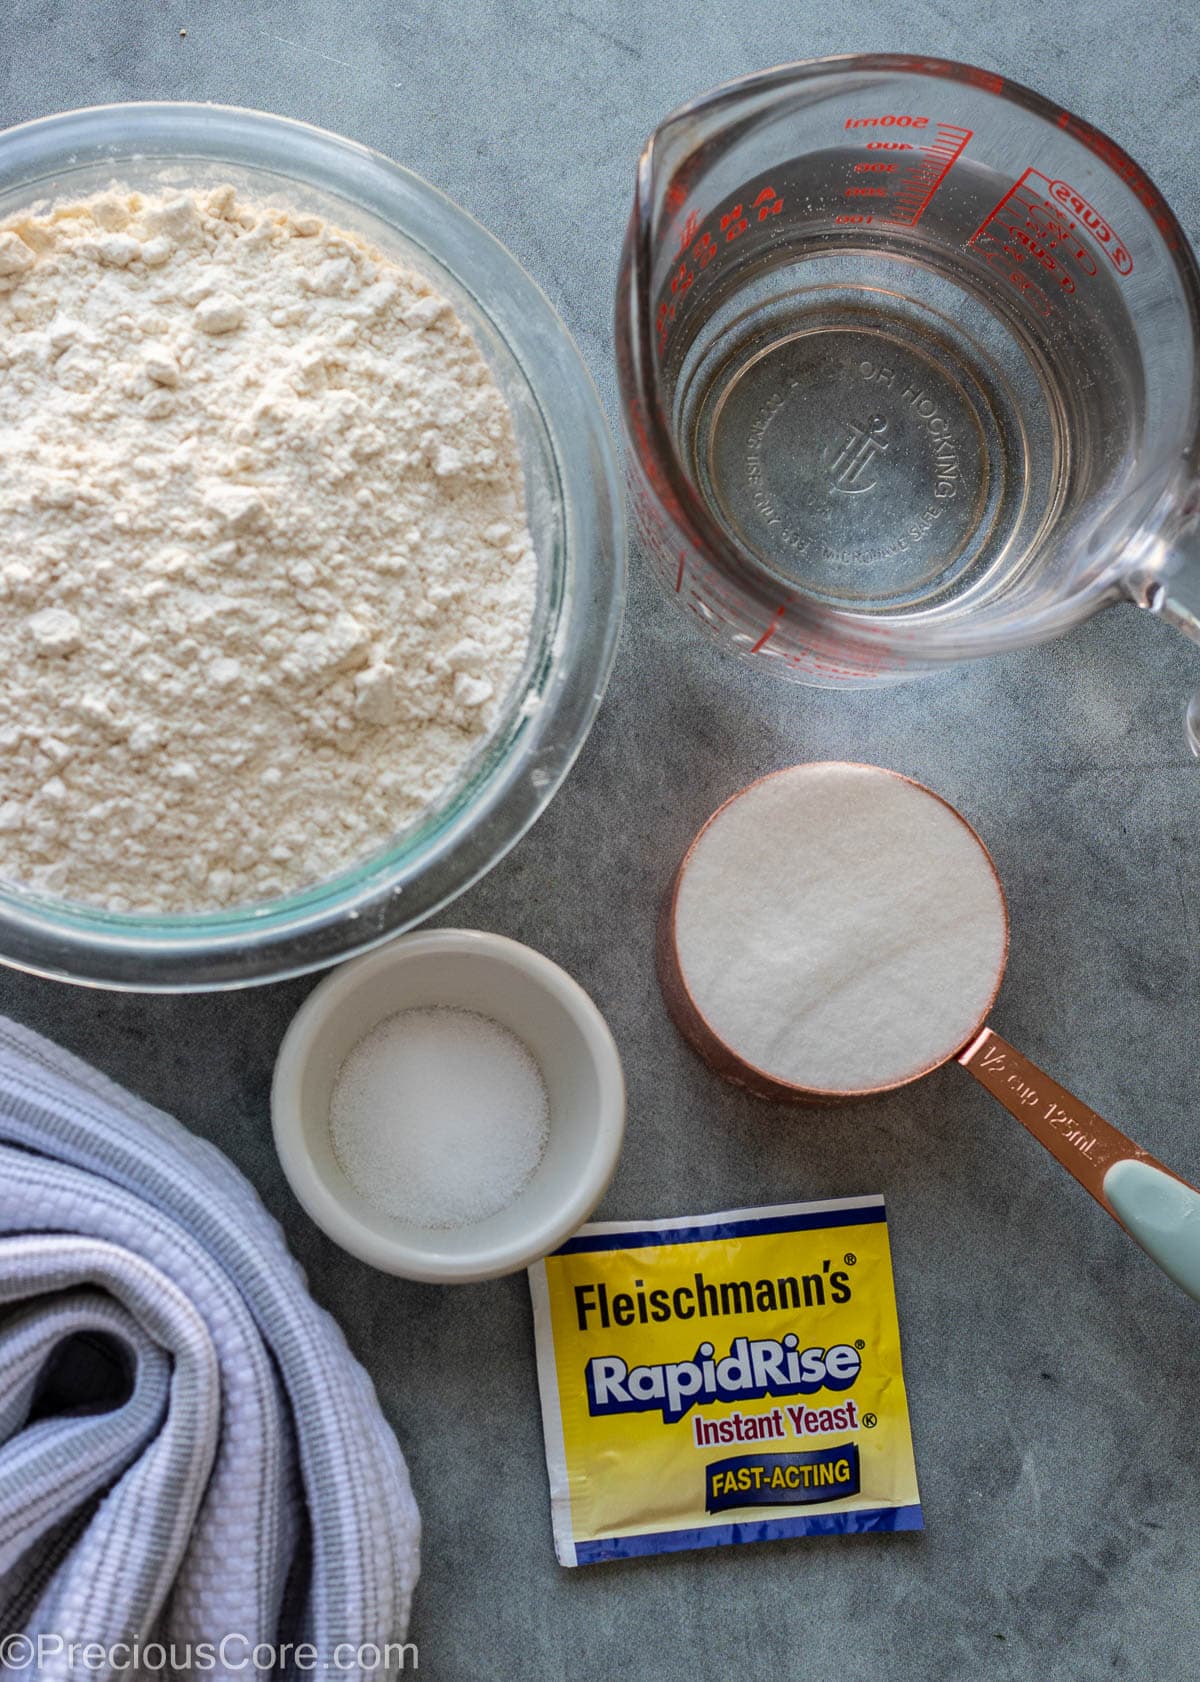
(688, 232)
(1037, 225)
(770, 630)
(889, 119)
(1092, 222)
(698, 248)
(922, 174)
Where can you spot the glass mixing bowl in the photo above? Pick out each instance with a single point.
(575, 516)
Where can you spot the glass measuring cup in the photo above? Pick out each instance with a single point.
(1159, 1209)
(908, 365)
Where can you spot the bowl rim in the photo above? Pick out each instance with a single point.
(411, 1260)
(368, 904)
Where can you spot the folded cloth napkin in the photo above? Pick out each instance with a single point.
(189, 1453)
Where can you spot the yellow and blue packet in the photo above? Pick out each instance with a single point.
(730, 1378)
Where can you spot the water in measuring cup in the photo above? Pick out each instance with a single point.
(883, 416)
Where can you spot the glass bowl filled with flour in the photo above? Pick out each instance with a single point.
(311, 555)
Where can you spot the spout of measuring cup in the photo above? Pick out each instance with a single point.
(660, 229)
(694, 159)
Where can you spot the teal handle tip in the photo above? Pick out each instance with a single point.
(1162, 1214)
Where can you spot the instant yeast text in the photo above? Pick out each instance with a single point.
(732, 1378)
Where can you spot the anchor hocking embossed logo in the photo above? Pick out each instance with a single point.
(852, 461)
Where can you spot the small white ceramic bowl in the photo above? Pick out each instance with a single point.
(527, 994)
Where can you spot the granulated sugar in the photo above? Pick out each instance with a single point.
(439, 1117)
(839, 928)
(265, 576)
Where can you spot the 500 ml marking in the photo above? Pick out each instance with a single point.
(911, 173)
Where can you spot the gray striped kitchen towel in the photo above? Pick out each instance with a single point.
(189, 1453)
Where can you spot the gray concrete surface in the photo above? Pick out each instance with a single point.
(1053, 1372)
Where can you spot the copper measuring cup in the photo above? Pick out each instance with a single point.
(1159, 1209)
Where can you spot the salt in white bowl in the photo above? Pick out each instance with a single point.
(524, 992)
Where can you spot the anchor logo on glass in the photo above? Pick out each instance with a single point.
(850, 467)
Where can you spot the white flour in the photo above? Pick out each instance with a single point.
(265, 576)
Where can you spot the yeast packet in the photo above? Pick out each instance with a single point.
(729, 1378)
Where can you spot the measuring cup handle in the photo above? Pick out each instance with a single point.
(1180, 607)
(1157, 1208)
(1171, 591)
